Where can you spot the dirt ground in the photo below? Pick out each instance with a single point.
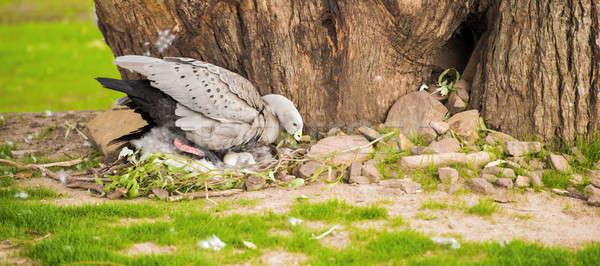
(534, 216)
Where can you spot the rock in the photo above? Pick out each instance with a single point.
(417, 150)
(574, 193)
(369, 169)
(355, 169)
(497, 171)
(531, 164)
(465, 125)
(578, 155)
(595, 180)
(369, 133)
(520, 148)
(576, 179)
(536, 178)
(496, 137)
(440, 127)
(504, 182)
(336, 131)
(361, 180)
(308, 169)
(441, 159)
(413, 112)
(406, 184)
(455, 103)
(400, 142)
(522, 181)
(286, 179)
(254, 183)
(446, 145)
(559, 162)
(560, 192)
(448, 175)
(489, 177)
(462, 89)
(119, 192)
(481, 185)
(111, 125)
(23, 153)
(160, 193)
(594, 195)
(478, 159)
(326, 147)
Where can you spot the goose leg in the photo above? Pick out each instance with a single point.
(189, 149)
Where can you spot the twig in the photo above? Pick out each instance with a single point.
(78, 131)
(326, 232)
(37, 167)
(203, 194)
(63, 164)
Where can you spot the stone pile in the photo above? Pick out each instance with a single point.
(462, 150)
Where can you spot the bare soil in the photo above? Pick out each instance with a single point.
(540, 217)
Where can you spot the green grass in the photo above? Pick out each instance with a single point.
(94, 233)
(19, 11)
(484, 207)
(433, 205)
(56, 63)
(556, 179)
(31, 193)
(337, 210)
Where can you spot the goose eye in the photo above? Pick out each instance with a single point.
(295, 124)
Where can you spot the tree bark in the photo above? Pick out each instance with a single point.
(538, 73)
(342, 62)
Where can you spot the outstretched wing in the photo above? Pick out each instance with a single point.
(215, 92)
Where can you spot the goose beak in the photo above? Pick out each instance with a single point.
(298, 135)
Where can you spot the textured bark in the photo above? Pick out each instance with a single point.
(538, 68)
(342, 62)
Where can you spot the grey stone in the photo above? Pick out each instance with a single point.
(497, 171)
(417, 150)
(576, 179)
(478, 159)
(559, 162)
(406, 184)
(344, 149)
(520, 148)
(361, 180)
(465, 125)
(496, 137)
(522, 181)
(595, 181)
(413, 112)
(308, 169)
(531, 164)
(455, 103)
(536, 178)
(489, 177)
(578, 155)
(440, 127)
(594, 195)
(418, 161)
(504, 182)
(369, 133)
(448, 175)
(481, 185)
(355, 169)
(560, 192)
(463, 94)
(400, 142)
(369, 169)
(254, 183)
(160, 193)
(445, 145)
(574, 193)
(23, 153)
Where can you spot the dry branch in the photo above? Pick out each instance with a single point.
(205, 194)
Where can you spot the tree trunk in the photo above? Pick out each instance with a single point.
(538, 73)
(342, 62)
